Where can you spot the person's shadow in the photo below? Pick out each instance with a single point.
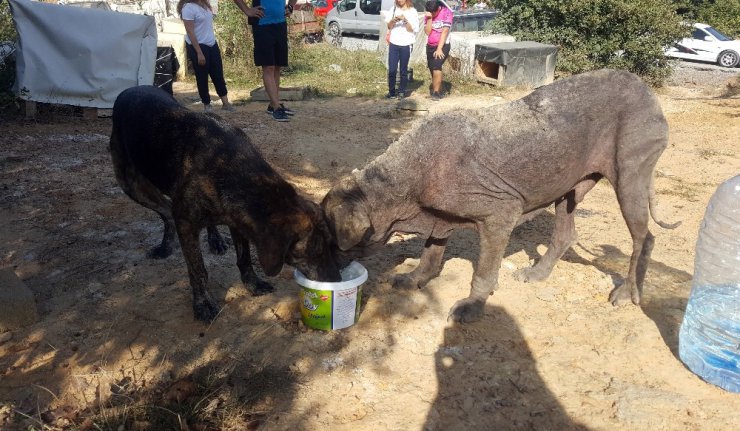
(490, 382)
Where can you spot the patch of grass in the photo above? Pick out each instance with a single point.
(686, 191)
(333, 72)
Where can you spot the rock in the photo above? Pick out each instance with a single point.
(17, 304)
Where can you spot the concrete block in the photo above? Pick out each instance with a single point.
(287, 93)
(17, 304)
(173, 25)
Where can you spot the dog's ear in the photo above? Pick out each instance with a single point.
(344, 208)
(272, 248)
(351, 223)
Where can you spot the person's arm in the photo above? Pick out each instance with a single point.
(412, 21)
(253, 12)
(442, 39)
(428, 23)
(289, 7)
(190, 30)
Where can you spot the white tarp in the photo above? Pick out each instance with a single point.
(80, 56)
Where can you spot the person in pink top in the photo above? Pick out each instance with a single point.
(438, 21)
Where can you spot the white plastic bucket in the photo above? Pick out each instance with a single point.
(326, 305)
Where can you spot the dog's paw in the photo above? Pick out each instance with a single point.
(531, 274)
(216, 244)
(159, 252)
(205, 309)
(467, 310)
(403, 281)
(261, 287)
(621, 294)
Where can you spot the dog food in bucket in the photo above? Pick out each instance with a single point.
(327, 305)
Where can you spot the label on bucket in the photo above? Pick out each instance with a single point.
(326, 309)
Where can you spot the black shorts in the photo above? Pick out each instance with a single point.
(271, 44)
(436, 63)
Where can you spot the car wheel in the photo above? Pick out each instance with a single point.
(334, 34)
(728, 58)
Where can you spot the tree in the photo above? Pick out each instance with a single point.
(595, 34)
(724, 15)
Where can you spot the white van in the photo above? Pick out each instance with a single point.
(352, 16)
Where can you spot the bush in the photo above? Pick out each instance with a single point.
(724, 15)
(595, 34)
(235, 40)
(7, 28)
(7, 67)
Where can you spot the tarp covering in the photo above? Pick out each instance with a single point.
(507, 52)
(80, 56)
(522, 63)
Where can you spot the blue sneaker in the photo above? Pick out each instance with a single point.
(280, 115)
(287, 111)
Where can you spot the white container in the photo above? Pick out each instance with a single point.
(332, 305)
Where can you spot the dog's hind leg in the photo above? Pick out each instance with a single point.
(244, 261)
(216, 243)
(633, 197)
(148, 195)
(564, 234)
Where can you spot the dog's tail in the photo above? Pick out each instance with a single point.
(652, 203)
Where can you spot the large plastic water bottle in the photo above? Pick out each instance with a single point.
(709, 340)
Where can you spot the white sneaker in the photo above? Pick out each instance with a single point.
(228, 107)
(207, 108)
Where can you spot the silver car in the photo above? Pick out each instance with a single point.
(352, 16)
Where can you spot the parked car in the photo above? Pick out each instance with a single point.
(363, 17)
(707, 44)
(322, 7)
(352, 16)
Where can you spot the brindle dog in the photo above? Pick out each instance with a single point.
(197, 171)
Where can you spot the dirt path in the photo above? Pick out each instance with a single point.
(117, 337)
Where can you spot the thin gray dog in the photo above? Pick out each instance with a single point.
(493, 169)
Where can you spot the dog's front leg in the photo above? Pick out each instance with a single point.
(204, 306)
(244, 262)
(430, 265)
(494, 232)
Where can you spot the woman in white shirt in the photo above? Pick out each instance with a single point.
(203, 50)
(403, 24)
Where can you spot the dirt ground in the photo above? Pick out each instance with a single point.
(117, 348)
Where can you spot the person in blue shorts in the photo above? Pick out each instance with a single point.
(270, 31)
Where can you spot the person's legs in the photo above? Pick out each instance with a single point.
(394, 53)
(201, 73)
(281, 59)
(216, 71)
(271, 84)
(435, 67)
(436, 81)
(404, 56)
(264, 55)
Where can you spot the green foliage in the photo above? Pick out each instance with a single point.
(7, 28)
(235, 40)
(332, 71)
(7, 68)
(594, 34)
(724, 15)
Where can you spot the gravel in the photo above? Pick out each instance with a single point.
(701, 74)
